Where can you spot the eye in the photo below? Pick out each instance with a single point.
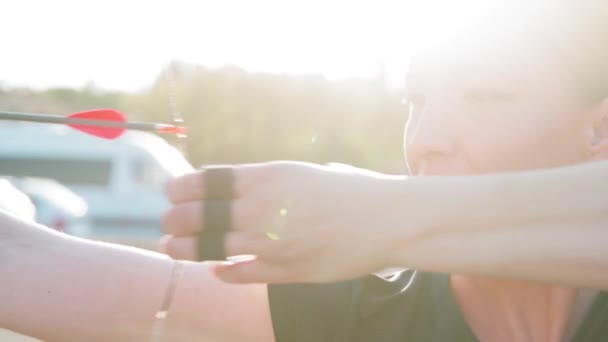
(487, 96)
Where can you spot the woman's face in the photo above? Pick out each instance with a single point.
(478, 109)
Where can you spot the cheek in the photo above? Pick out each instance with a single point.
(509, 152)
(531, 142)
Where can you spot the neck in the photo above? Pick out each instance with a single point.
(514, 310)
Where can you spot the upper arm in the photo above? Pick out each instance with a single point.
(207, 309)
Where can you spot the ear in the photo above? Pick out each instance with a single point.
(598, 131)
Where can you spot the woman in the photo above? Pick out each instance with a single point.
(530, 101)
(498, 122)
(463, 115)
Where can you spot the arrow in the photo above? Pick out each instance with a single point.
(103, 123)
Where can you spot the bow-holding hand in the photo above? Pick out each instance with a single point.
(302, 222)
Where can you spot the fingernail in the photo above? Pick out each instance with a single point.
(225, 263)
(221, 269)
(217, 266)
(241, 258)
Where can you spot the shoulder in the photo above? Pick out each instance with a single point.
(595, 325)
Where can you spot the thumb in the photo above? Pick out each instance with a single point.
(251, 271)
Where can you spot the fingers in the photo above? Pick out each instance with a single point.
(186, 188)
(286, 260)
(193, 186)
(183, 219)
(226, 199)
(241, 243)
(180, 248)
(260, 245)
(209, 184)
(252, 271)
(189, 218)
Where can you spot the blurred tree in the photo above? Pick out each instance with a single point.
(236, 116)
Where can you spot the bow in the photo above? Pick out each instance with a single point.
(177, 271)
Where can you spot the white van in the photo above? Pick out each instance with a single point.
(121, 180)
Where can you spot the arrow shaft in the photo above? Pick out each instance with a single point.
(57, 119)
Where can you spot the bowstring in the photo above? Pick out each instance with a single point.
(176, 116)
(160, 317)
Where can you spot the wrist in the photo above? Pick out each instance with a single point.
(431, 209)
(448, 204)
(414, 214)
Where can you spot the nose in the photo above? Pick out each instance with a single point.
(430, 138)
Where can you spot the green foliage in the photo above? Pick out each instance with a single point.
(235, 116)
(58, 100)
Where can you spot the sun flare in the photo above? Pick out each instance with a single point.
(123, 44)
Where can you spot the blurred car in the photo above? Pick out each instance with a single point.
(56, 206)
(121, 180)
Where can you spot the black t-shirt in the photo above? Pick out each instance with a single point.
(412, 306)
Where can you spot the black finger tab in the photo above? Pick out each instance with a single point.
(211, 246)
(217, 222)
(217, 216)
(219, 189)
(219, 182)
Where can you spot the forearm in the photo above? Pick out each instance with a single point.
(560, 254)
(549, 225)
(573, 194)
(73, 290)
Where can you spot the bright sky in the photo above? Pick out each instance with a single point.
(123, 44)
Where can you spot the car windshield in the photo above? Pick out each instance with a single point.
(66, 171)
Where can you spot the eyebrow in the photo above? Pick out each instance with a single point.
(412, 76)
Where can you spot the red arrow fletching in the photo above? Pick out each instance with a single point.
(103, 115)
